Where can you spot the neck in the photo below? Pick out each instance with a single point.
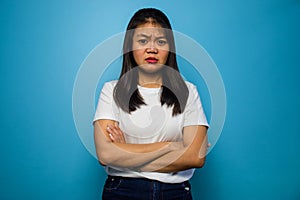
(150, 80)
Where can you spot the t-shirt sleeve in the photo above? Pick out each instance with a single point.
(107, 108)
(194, 113)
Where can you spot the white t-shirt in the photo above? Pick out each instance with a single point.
(151, 123)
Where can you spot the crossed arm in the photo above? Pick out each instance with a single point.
(113, 150)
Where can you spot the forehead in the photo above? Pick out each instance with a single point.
(149, 29)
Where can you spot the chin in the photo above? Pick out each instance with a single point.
(151, 69)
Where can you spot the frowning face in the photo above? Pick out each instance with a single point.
(150, 47)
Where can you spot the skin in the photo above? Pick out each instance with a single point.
(149, 41)
(111, 146)
(127, 156)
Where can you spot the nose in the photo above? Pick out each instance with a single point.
(152, 48)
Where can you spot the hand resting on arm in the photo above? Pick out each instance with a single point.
(130, 156)
(190, 154)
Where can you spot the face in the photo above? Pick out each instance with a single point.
(150, 47)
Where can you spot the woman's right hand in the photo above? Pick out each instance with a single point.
(115, 133)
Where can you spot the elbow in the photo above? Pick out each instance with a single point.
(103, 158)
(102, 162)
(198, 162)
(201, 162)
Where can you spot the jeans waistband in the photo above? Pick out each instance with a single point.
(141, 179)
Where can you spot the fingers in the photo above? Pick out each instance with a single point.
(115, 133)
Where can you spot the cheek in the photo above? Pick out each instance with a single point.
(137, 54)
(164, 55)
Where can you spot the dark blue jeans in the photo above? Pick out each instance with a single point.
(121, 188)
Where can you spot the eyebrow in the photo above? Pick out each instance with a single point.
(149, 36)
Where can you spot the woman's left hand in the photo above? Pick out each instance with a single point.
(115, 133)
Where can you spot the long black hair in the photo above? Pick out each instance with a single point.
(174, 90)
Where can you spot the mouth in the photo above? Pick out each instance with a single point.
(151, 60)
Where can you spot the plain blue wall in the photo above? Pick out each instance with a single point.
(255, 45)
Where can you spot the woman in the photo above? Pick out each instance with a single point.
(149, 126)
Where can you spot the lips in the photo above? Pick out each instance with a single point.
(151, 60)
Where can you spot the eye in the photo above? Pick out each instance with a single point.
(142, 41)
(161, 42)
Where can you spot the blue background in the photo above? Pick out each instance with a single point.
(255, 45)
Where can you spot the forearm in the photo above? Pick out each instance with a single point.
(113, 155)
(191, 155)
(158, 157)
(177, 160)
(128, 155)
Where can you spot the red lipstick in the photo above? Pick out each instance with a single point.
(151, 60)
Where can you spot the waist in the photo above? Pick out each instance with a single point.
(178, 177)
(145, 180)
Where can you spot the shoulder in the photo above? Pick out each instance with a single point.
(110, 85)
(193, 91)
(190, 85)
